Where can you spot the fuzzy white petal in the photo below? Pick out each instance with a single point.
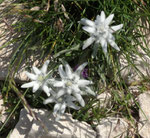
(88, 90)
(87, 22)
(116, 28)
(36, 87)
(58, 84)
(61, 72)
(68, 71)
(113, 44)
(31, 76)
(109, 19)
(69, 91)
(83, 83)
(71, 98)
(98, 20)
(89, 29)
(60, 93)
(88, 42)
(49, 100)
(102, 17)
(75, 88)
(111, 37)
(36, 70)
(44, 67)
(104, 45)
(72, 105)
(63, 108)
(80, 68)
(56, 108)
(80, 99)
(27, 85)
(46, 90)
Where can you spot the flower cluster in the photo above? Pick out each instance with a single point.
(71, 86)
(100, 31)
(39, 79)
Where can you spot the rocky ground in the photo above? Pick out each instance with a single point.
(43, 124)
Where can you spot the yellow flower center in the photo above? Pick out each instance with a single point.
(41, 78)
(60, 100)
(69, 83)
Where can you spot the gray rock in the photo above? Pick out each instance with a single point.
(9, 17)
(7, 33)
(112, 127)
(144, 114)
(3, 114)
(103, 100)
(141, 60)
(67, 127)
(129, 73)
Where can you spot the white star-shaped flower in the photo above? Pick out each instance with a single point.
(100, 31)
(39, 79)
(71, 83)
(61, 104)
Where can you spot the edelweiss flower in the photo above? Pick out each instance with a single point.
(39, 79)
(61, 104)
(100, 31)
(71, 83)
